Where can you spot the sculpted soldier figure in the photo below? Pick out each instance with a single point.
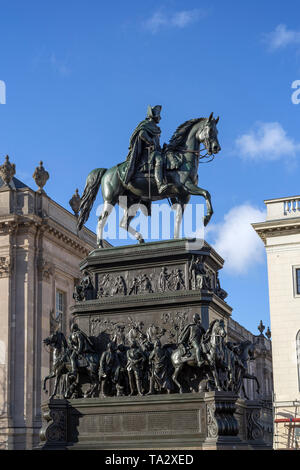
(134, 286)
(85, 289)
(198, 274)
(160, 366)
(81, 346)
(119, 335)
(176, 280)
(146, 285)
(147, 134)
(119, 286)
(136, 332)
(163, 279)
(104, 286)
(108, 368)
(135, 368)
(191, 336)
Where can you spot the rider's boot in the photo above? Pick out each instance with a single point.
(199, 358)
(73, 372)
(158, 174)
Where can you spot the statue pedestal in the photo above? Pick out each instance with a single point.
(151, 283)
(188, 421)
(143, 297)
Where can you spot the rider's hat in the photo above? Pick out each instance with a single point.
(154, 111)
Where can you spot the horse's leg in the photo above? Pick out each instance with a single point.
(196, 191)
(107, 208)
(111, 191)
(51, 376)
(125, 223)
(244, 391)
(175, 376)
(179, 208)
(252, 377)
(57, 380)
(216, 376)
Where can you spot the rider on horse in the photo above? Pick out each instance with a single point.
(191, 336)
(147, 135)
(81, 345)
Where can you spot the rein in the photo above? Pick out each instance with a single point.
(197, 153)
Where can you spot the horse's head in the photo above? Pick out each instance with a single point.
(220, 329)
(56, 340)
(208, 135)
(216, 329)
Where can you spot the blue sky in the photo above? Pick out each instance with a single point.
(79, 76)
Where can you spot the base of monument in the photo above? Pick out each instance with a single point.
(190, 421)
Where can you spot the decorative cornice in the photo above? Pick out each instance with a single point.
(277, 228)
(152, 301)
(10, 224)
(68, 240)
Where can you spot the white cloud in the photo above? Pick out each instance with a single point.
(282, 37)
(267, 141)
(235, 239)
(179, 19)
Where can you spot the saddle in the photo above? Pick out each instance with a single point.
(188, 352)
(172, 161)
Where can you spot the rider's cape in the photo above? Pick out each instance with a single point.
(135, 145)
(184, 335)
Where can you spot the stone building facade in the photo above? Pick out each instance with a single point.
(281, 236)
(40, 252)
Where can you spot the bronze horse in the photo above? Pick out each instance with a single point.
(224, 368)
(212, 347)
(182, 176)
(62, 367)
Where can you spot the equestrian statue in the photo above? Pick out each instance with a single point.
(152, 173)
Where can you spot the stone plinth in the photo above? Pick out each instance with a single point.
(197, 421)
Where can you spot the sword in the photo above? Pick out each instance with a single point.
(149, 174)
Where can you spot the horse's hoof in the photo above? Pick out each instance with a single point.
(141, 240)
(206, 219)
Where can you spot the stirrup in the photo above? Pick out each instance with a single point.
(163, 187)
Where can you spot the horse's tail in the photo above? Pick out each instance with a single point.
(91, 189)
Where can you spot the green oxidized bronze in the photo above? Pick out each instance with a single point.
(152, 173)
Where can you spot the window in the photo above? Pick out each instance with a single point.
(296, 280)
(297, 285)
(60, 306)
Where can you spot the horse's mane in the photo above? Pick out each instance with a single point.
(179, 136)
(210, 328)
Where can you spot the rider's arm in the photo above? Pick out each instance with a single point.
(146, 137)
